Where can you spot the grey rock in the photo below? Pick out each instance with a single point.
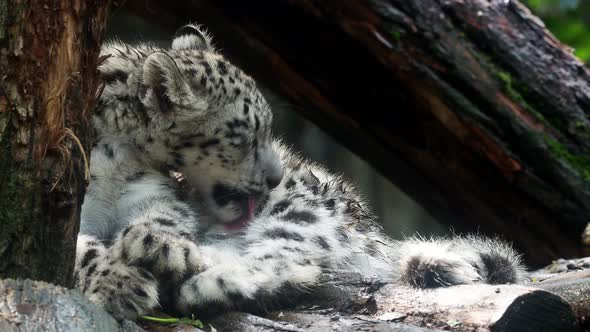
(27, 305)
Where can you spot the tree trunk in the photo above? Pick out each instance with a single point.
(48, 59)
(471, 107)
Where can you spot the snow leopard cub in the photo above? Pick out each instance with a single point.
(260, 219)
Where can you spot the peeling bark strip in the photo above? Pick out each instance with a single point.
(48, 59)
(471, 107)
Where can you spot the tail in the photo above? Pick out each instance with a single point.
(431, 263)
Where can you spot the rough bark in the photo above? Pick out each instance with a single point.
(471, 107)
(48, 59)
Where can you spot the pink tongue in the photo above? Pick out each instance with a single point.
(251, 206)
(244, 219)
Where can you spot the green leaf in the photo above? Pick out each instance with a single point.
(171, 320)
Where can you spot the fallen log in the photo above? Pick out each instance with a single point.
(345, 301)
(348, 302)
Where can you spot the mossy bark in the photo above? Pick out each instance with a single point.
(48, 58)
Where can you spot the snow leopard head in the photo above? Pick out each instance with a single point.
(202, 116)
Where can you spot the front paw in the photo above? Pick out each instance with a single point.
(160, 251)
(125, 291)
(225, 285)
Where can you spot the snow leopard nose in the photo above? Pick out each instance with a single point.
(273, 170)
(274, 177)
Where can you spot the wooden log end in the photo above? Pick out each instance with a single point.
(537, 311)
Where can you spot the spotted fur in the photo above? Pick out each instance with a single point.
(258, 217)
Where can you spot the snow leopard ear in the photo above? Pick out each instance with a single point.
(192, 37)
(164, 85)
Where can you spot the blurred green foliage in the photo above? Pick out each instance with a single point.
(569, 20)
